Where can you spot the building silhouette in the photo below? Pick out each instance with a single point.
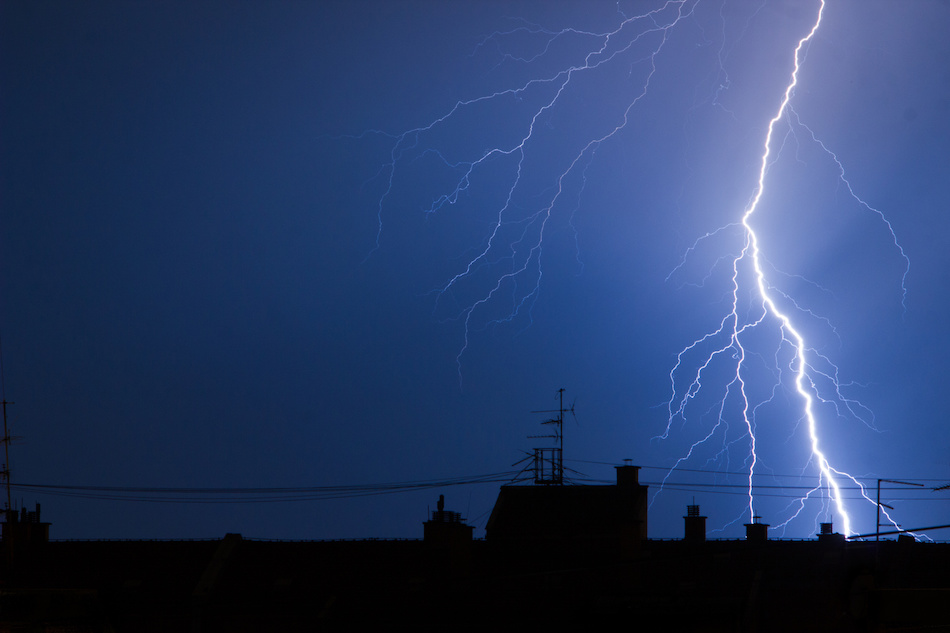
(553, 556)
(609, 519)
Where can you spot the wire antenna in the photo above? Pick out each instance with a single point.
(5, 471)
(549, 462)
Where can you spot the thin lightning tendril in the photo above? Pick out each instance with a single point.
(525, 252)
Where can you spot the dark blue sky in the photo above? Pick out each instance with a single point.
(192, 295)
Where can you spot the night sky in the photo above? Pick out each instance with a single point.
(221, 266)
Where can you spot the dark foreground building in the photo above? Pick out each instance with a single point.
(553, 558)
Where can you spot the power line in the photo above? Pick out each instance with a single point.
(319, 493)
(745, 473)
(253, 494)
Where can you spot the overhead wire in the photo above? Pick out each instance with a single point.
(280, 494)
(251, 494)
(745, 473)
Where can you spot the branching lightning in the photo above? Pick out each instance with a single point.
(500, 281)
(514, 245)
(736, 327)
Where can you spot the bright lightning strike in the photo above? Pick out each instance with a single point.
(527, 172)
(803, 383)
(738, 326)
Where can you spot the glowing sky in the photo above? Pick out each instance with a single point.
(196, 290)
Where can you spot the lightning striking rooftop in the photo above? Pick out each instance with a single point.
(758, 344)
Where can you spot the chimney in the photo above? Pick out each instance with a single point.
(695, 525)
(448, 542)
(827, 535)
(755, 531)
(627, 475)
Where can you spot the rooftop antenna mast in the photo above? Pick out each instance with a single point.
(5, 472)
(549, 462)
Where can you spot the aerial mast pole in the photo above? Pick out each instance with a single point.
(877, 527)
(556, 454)
(5, 472)
(6, 456)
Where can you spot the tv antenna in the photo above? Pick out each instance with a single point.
(549, 462)
(5, 471)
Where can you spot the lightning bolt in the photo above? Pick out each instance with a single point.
(755, 305)
(759, 343)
